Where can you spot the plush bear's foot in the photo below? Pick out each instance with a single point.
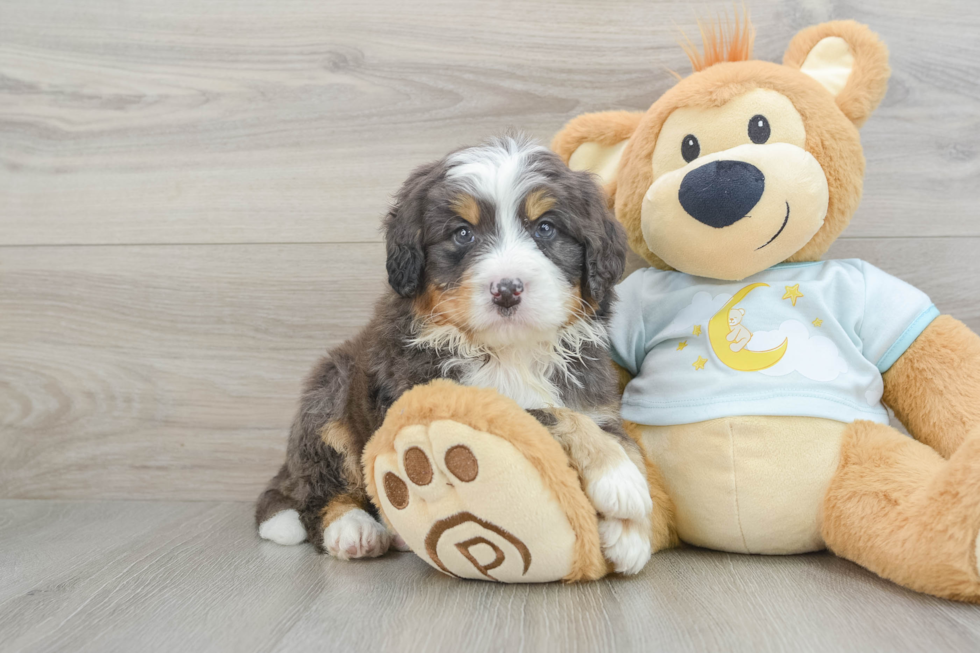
(356, 534)
(976, 553)
(479, 489)
(398, 543)
(900, 509)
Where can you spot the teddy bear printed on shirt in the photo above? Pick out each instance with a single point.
(739, 336)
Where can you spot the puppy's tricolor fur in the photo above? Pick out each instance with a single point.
(501, 263)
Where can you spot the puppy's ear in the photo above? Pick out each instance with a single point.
(605, 244)
(403, 227)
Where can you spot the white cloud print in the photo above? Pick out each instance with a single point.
(701, 309)
(817, 358)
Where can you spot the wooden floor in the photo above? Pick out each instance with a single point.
(170, 576)
(190, 196)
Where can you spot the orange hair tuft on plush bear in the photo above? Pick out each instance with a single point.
(722, 40)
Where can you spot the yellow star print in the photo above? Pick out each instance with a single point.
(699, 363)
(793, 293)
(681, 345)
(817, 322)
(697, 329)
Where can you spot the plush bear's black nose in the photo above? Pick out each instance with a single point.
(721, 193)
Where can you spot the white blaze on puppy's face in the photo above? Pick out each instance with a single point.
(503, 174)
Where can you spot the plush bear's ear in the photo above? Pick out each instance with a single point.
(848, 59)
(595, 142)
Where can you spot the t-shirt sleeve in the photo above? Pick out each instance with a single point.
(895, 313)
(627, 337)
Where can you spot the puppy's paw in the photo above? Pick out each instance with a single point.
(620, 492)
(356, 534)
(625, 543)
(284, 528)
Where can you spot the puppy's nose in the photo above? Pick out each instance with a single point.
(506, 292)
(721, 193)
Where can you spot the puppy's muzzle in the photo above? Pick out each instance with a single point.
(507, 292)
(721, 193)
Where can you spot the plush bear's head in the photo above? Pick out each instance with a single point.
(735, 316)
(743, 164)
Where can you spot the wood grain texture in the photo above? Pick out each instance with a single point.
(294, 121)
(135, 372)
(125, 576)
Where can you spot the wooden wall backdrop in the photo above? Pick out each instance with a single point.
(190, 194)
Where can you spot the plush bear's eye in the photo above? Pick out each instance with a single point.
(690, 148)
(759, 129)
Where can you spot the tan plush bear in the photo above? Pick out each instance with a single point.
(732, 185)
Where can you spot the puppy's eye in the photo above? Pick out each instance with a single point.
(759, 129)
(690, 148)
(464, 236)
(544, 230)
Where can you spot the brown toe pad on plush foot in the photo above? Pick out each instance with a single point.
(478, 489)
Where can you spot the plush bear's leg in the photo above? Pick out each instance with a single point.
(934, 388)
(479, 489)
(897, 507)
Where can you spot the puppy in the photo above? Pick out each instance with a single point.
(501, 263)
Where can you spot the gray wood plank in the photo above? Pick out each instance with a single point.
(293, 121)
(165, 372)
(172, 371)
(106, 579)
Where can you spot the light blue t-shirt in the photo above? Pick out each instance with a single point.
(804, 339)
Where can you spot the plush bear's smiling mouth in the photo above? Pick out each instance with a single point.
(785, 222)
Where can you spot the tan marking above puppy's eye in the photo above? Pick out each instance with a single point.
(537, 203)
(467, 208)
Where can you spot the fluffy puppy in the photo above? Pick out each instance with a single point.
(501, 263)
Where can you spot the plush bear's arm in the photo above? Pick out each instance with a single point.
(624, 377)
(934, 387)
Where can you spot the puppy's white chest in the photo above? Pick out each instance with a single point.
(522, 376)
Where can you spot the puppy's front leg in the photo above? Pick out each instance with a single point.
(610, 466)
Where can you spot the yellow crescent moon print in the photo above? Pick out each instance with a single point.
(744, 360)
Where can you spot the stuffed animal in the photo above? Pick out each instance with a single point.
(755, 375)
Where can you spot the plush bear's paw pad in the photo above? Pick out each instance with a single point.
(284, 528)
(471, 505)
(356, 534)
(621, 492)
(625, 543)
